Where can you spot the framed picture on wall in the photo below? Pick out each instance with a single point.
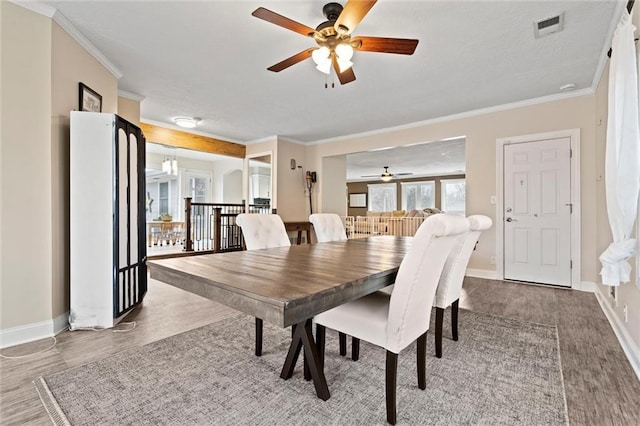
(89, 100)
(358, 200)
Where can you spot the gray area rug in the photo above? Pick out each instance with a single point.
(501, 371)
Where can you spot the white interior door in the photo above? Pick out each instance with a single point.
(537, 211)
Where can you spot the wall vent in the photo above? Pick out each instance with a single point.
(548, 26)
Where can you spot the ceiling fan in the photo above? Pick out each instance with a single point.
(386, 176)
(333, 37)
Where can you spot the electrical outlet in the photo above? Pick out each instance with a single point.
(625, 313)
(493, 260)
(492, 199)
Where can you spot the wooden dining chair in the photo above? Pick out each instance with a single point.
(261, 231)
(450, 284)
(397, 320)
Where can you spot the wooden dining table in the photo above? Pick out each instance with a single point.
(288, 286)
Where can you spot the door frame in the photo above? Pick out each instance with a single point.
(574, 143)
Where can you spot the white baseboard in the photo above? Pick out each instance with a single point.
(587, 286)
(482, 273)
(31, 332)
(629, 347)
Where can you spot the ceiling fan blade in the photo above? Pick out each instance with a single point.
(375, 176)
(402, 46)
(283, 21)
(354, 11)
(402, 174)
(298, 57)
(347, 76)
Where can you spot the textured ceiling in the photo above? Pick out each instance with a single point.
(427, 159)
(208, 59)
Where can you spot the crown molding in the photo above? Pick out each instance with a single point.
(289, 140)
(66, 25)
(131, 96)
(473, 113)
(620, 9)
(37, 7)
(60, 19)
(273, 138)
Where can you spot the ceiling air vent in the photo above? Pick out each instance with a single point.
(548, 26)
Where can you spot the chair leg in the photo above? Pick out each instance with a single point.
(258, 337)
(320, 339)
(390, 386)
(439, 318)
(422, 361)
(454, 320)
(355, 348)
(343, 343)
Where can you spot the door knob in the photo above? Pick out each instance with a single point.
(509, 219)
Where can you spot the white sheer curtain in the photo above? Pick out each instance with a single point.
(622, 164)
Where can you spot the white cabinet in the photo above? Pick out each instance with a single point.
(107, 219)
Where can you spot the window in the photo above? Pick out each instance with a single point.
(453, 196)
(382, 197)
(163, 197)
(418, 195)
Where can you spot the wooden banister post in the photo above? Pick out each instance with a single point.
(217, 226)
(188, 245)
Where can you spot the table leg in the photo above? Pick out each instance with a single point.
(303, 338)
(308, 236)
(299, 240)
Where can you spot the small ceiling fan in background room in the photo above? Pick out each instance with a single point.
(334, 39)
(386, 176)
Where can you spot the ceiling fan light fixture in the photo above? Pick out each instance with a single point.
(324, 67)
(385, 177)
(186, 122)
(344, 52)
(344, 65)
(321, 56)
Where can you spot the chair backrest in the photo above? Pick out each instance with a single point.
(262, 231)
(450, 285)
(418, 275)
(328, 227)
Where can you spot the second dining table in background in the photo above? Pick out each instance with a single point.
(288, 286)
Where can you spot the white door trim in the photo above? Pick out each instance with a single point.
(574, 135)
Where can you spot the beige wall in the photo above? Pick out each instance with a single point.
(40, 78)
(292, 204)
(25, 168)
(129, 110)
(70, 64)
(481, 132)
(333, 171)
(627, 294)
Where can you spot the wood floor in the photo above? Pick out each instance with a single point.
(601, 387)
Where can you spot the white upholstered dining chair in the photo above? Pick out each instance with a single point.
(261, 231)
(395, 321)
(450, 285)
(328, 227)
